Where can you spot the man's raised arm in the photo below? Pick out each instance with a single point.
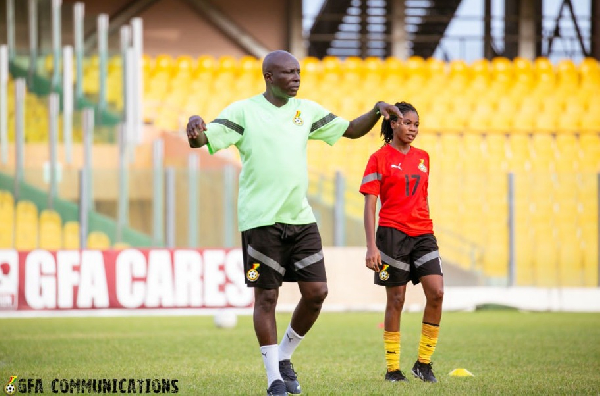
(361, 125)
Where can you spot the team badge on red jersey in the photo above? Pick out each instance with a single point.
(422, 166)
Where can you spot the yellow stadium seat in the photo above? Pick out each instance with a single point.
(573, 108)
(393, 67)
(185, 62)
(148, 64)
(590, 123)
(71, 235)
(593, 104)
(98, 240)
(589, 71)
(227, 64)
(352, 64)
(121, 245)
(331, 64)
(206, 64)
(26, 226)
(459, 67)
(250, 64)
(519, 148)
(311, 65)
(523, 122)
(479, 122)
(415, 64)
(502, 70)
(435, 67)
(542, 65)
(522, 65)
(373, 64)
(7, 218)
(481, 68)
(568, 124)
(50, 230)
(164, 63)
(500, 122)
(545, 122)
(589, 65)
(567, 146)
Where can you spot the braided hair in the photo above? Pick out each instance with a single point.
(386, 128)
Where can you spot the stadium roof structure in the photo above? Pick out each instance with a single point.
(341, 28)
(404, 28)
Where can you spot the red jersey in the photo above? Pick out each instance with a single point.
(401, 181)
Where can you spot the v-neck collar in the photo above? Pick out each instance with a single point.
(262, 95)
(398, 151)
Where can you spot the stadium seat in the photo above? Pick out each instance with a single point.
(71, 236)
(164, 63)
(205, 65)
(435, 67)
(545, 122)
(393, 66)
(502, 70)
(7, 216)
(98, 240)
(26, 226)
(121, 246)
(590, 123)
(331, 64)
(50, 230)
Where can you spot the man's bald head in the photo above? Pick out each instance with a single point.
(277, 59)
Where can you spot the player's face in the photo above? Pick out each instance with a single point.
(407, 129)
(285, 77)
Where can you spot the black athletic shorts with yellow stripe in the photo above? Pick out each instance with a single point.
(405, 258)
(283, 253)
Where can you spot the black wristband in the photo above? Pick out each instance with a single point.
(376, 108)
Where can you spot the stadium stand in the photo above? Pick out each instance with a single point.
(479, 121)
(23, 228)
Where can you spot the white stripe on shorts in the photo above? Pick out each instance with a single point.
(394, 263)
(306, 261)
(428, 257)
(265, 260)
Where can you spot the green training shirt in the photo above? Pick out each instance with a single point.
(272, 144)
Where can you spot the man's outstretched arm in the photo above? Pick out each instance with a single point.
(195, 132)
(363, 124)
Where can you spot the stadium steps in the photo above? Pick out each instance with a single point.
(435, 16)
(32, 209)
(426, 22)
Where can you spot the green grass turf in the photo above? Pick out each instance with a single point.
(510, 353)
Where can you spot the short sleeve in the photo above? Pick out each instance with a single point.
(371, 180)
(227, 129)
(326, 126)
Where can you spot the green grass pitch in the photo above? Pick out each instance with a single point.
(509, 352)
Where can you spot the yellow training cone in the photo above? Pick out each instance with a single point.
(461, 373)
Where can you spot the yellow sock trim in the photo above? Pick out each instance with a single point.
(391, 341)
(429, 337)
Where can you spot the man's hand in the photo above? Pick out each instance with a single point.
(373, 259)
(387, 110)
(195, 126)
(195, 132)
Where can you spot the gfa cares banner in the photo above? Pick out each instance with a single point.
(122, 279)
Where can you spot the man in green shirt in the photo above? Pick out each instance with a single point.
(280, 238)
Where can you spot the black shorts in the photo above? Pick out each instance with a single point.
(405, 258)
(283, 253)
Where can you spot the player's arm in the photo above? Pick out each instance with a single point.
(195, 132)
(362, 125)
(373, 258)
